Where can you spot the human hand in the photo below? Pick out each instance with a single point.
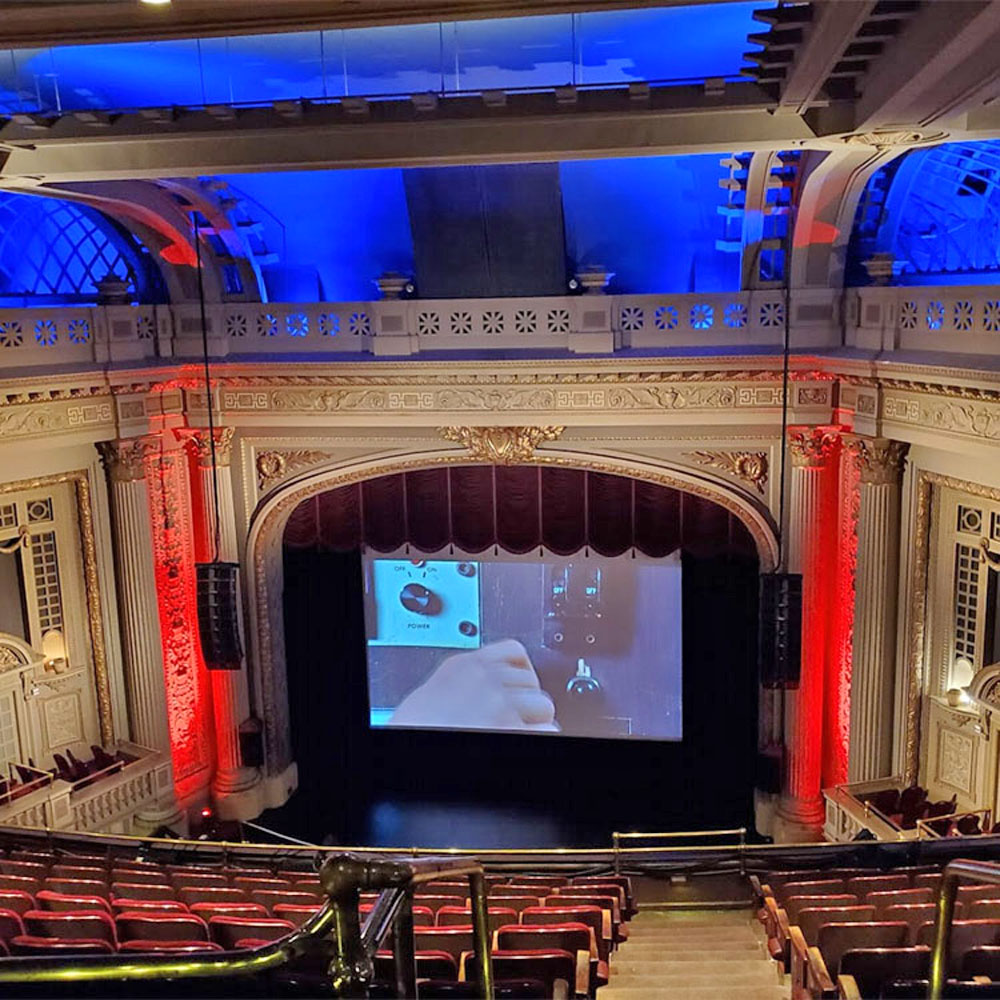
(494, 687)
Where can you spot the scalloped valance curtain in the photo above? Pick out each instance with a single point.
(518, 508)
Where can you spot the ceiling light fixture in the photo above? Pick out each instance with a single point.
(155, 3)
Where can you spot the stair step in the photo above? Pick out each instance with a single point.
(706, 955)
(715, 992)
(762, 976)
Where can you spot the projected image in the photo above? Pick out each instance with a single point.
(581, 646)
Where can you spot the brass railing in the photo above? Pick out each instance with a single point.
(925, 827)
(982, 871)
(334, 932)
(617, 838)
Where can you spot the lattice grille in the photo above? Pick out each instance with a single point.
(995, 526)
(48, 594)
(40, 510)
(970, 519)
(966, 600)
(8, 515)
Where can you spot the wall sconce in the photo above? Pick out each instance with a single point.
(54, 651)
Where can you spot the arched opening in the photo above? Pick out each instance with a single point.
(362, 783)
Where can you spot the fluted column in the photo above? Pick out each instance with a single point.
(880, 466)
(125, 461)
(229, 687)
(808, 540)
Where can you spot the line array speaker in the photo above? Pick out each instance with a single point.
(779, 650)
(218, 620)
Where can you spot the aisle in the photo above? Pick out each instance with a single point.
(693, 955)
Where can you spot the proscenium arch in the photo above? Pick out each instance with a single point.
(265, 570)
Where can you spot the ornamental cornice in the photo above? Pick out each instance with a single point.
(500, 445)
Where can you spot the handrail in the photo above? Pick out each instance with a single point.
(923, 825)
(617, 838)
(277, 834)
(983, 871)
(343, 878)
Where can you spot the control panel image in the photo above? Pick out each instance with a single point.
(426, 602)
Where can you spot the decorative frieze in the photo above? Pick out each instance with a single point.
(32, 418)
(750, 466)
(501, 445)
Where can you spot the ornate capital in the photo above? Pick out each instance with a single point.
(125, 458)
(750, 466)
(196, 440)
(501, 445)
(879, 460)
(811, 447)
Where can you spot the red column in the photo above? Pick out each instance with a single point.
(811, 550)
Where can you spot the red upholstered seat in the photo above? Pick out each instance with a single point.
(430, 965)
(555, 968)
(965, 934)
(593, 916)
(48, 900)
(21, 883)
(915, 916)
(87, 873)
(16, 900)
(519, 903)
(457, 916)
(207, 910)
(548, 881)
(602, 888)
(811, 920)
(211, 894)
(310, 885)
(148, 875)
(189, 880)
(31, 944)
(864, 884)
(970, 893)
(927, 880)
(30, 854)
(796, 904)
(436, 902)
(146, 926)
(227, 931)
(537, 891)
(897, 897)
(453, 940)
(460, 889)
(11, 924)
(121, 905)
(983, 909)
(834, 940)
(874, 967)
(622, 881)
(814, 887)
(577, 939)
(272, 897)
(981, 961)
(78, 887)
(90, 924)
(298, 915)
(185, 947)
(142, 890)
(423, 916)
(25, 869)
(248, 883)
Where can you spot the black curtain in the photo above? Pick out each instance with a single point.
(542, 790)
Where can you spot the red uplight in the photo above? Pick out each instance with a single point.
(206, 813)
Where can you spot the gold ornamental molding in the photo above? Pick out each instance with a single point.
(811, 447)
(92, 585)
(196, 440)
(501, 445)
(879, 460)
(750, 466)
(274, 465)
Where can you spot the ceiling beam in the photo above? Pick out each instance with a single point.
(832, 29)
(940, 66)
(528, 127)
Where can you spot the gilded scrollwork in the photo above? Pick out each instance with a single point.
(275, 465)
(879, 460)
(500, 445)
(196, 440)
(812, 446)
(750, 466)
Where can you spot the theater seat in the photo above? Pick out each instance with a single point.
(92, 925)
(298, 915)
(143, 890)
(188, 880)
(796, 904)
(210, 894)
(965, 934)
(436, 902)
(248, 883)
(430, 965)
(227, 931)
(593, 916)
(898, 897)
(16, 900)
(48, 900)
(456, 916)
(11, 924)
(554, 967)
(31, 944)
(87, 873)
(207, 910)
(915, 916)
(577, 939)
(872, 968)
(20, 883)
(146, 926)
(981, 961)
(453, 940)
(185, 947)
(271, 897)
(23, 869)
(834, 940)
(121, 905)
(423, 916)
(78, 887)
(504, 989)
(539, 891)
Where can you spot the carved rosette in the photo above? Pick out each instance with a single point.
(501, 445)
(125, 458)
(273, 466)
(196, 440)
(750, 466)
(812, 447)
(879, 460)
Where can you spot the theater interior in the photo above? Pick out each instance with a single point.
(500, 498)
